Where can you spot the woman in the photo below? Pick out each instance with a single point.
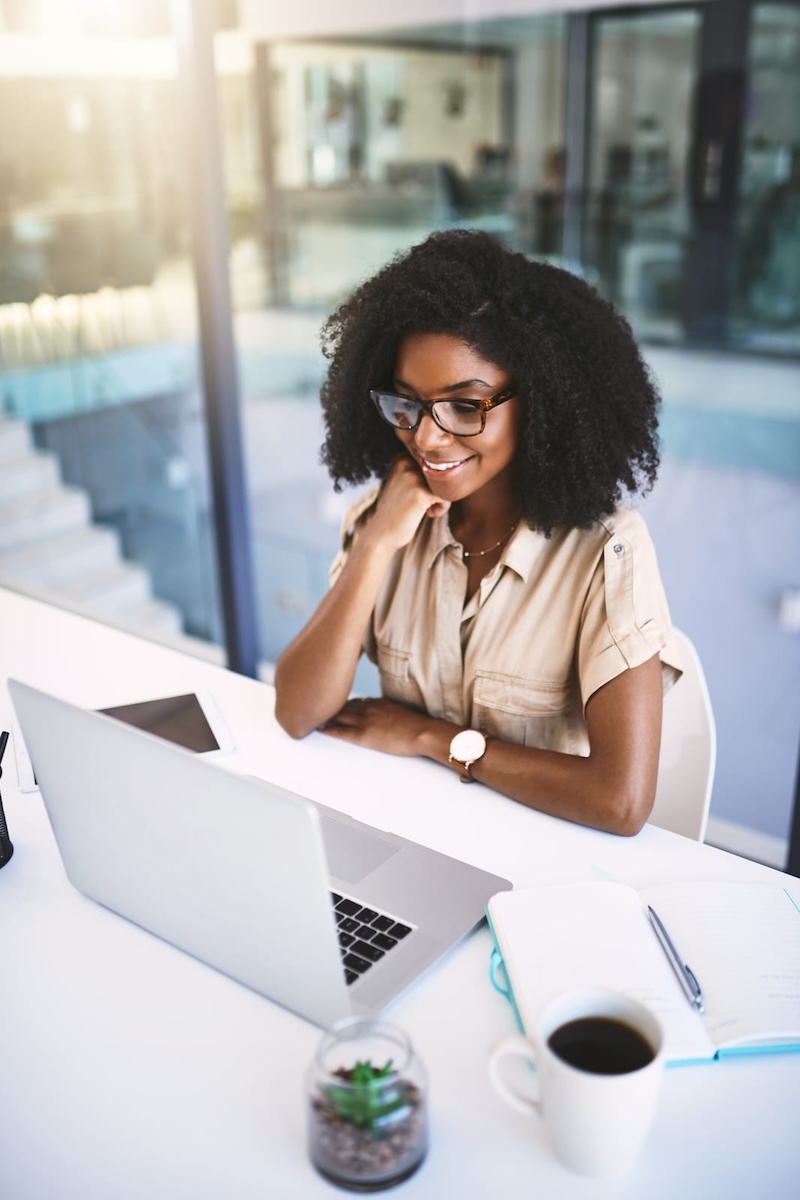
(511, 600)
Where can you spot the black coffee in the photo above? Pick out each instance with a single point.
(601, 1046)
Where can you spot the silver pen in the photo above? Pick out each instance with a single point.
(686, 976)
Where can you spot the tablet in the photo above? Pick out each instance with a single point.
(191, 720)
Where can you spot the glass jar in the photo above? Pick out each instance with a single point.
(367, 1106)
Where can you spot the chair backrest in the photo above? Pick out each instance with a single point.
(688, 750)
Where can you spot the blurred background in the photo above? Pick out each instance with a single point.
(654, 149)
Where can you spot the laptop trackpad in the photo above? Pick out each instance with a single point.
(352, 853)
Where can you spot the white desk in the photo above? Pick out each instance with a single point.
(128, 1071)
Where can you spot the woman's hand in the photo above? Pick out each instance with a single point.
(404, 500)
(379, 724)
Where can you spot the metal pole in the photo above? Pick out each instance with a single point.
(576, 134)
(193, 26)
(793, 857)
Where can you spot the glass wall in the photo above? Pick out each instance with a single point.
(103, 489)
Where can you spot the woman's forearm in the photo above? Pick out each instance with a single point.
(611, 789)
(315, 673)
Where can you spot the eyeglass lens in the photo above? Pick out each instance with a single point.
(455, 416)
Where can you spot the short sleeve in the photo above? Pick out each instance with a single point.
(626, 618)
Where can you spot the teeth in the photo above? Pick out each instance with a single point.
(442, 466)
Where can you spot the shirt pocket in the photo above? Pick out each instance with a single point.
(397, 681)
(527, 712)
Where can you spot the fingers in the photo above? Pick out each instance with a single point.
(349, 725)
(439, 508)
(406, 466)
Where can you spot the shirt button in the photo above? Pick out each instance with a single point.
(618, 549)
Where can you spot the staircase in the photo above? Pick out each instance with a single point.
(49, 546)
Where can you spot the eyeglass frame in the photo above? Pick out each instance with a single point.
(429, 406)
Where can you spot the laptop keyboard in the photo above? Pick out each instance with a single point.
(365, 934)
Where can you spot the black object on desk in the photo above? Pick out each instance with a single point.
(6, 847)
(793, 860)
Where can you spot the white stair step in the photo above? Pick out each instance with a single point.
(153, 615)
(47, 543)
(15, 438)
(52, 561)
(23, 476)
(115, 589)
(32, 518)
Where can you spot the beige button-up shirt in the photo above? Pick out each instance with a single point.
(555, 619)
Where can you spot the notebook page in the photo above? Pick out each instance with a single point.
(743, 943)
(597, 934)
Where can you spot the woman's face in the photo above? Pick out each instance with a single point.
(437, 366)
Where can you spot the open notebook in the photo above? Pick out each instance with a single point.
(742, 942)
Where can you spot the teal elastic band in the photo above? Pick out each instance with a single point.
(497, 965)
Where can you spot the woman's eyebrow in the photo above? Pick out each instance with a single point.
(454, 387)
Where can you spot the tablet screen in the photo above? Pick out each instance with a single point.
(177, 719)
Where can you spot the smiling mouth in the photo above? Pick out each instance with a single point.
(441, 467)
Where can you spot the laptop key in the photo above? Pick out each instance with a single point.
(350, 976)
(384, 941)
(355, 963)
(373, 953)
(367, 931)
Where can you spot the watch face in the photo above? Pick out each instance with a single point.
(468, 745)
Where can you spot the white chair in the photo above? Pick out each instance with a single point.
(688, 750)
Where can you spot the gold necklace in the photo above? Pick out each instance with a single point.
(489, 549)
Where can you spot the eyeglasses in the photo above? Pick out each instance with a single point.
(464, 418)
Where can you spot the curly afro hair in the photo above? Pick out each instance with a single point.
(588, 432)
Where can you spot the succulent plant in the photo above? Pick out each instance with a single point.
(367, 1094)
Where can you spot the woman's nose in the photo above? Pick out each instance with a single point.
(428, 434)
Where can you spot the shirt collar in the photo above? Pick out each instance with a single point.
(439, 538)
(522, 550)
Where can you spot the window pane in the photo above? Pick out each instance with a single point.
(104, 485)
(768, 292)
(637, 223)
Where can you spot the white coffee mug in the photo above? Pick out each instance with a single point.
(598, 1061)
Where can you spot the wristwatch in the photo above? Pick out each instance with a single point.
(465, 749)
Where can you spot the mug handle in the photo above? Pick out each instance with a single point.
(518, 1047)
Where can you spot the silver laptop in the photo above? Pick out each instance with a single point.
(320, 913)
